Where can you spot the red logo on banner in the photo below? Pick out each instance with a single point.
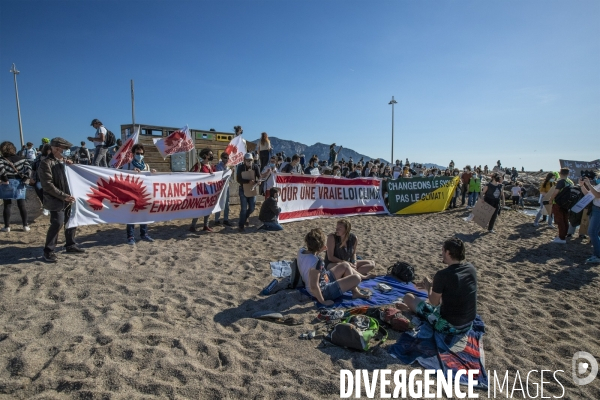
(178, 142)
(120, 190)
(125, 155)
(231, 149)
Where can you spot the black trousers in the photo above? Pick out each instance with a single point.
(57, 220)
(22, 211)
(264, 156)
(494, 216)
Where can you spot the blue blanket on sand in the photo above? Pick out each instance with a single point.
(434, 350)
(399, 289)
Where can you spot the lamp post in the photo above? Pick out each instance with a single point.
(392, 102)
(15, 72)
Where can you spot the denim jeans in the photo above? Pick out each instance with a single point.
(247, 205)
(100, 156)
(473, 196)
(225, 210)
(594, 230)
(272, 226)
(131, 229)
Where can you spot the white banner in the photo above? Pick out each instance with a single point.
(307, 197)
(108, 196)
(236, 149)
(124, 155)
(177, 142)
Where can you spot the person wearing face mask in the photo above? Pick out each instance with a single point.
(204, 166)
(356, 173)
(222, 166)
(545, 187)
(294, 166)
(247, 204)
(397, 170)
(138, 165)
(312, 165)
(269, 212)
(474, 189)
(57, 198)
(457, 191)
(268, 175)
(588, 186)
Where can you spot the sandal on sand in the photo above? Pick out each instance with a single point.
(328, 315)
(276, 317)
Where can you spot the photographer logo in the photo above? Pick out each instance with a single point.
(581, 367)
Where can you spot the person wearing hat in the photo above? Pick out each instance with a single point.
(57, 198)
(99, 143)
(247, 204)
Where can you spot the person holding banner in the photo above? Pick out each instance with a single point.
(57, 198)
(138, 165)
(268, 176)
(493, 194)
(204, 167)
(594, 227)
(341, 247)
(247, 203)
(222, 166)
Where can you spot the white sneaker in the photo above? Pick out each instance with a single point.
(26, 228)
(5, 229)
(558, 240)
(536, 224)
(551, 226)
(46, 212)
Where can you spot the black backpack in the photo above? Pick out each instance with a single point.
(402, 271)
(295, 278)
(82, 152)
(110, 140)
(568, 197)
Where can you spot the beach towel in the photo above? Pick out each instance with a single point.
(434, 350)
(399, 289)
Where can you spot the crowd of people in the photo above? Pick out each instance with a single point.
(44, 169)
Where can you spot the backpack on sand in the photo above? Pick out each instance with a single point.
(402, 271)
(358, 332)
(568, 197)
(110, 140)
(295, 278)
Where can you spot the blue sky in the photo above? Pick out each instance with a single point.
(475, 81)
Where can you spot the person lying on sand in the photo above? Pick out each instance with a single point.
(324, 285)
(455, 287)
(341, 246)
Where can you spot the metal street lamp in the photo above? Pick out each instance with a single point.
(392, 102)
(15, 72)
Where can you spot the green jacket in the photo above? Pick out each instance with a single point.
(475, 185)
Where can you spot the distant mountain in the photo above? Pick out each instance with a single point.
(290, 148)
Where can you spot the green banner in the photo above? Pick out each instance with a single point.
(420, 195)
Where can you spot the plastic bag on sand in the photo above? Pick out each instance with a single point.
(281, 269)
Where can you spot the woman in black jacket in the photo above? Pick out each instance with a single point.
(13, 167)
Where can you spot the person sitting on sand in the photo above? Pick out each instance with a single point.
(324, 285)
(269, 212)
(455, 287)
(341, 247)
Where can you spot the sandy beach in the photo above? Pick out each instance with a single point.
(171, 319)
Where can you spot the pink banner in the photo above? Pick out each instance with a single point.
(307, 197)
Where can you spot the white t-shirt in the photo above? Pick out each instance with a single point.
(516, 191)
(306, 261)
(100, 130)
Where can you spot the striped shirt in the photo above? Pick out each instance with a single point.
(8, 172)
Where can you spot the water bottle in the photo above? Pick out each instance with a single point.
(269, 287)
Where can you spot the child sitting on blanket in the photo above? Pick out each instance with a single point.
(325, 285)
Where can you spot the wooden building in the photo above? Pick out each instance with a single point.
(216, 141)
